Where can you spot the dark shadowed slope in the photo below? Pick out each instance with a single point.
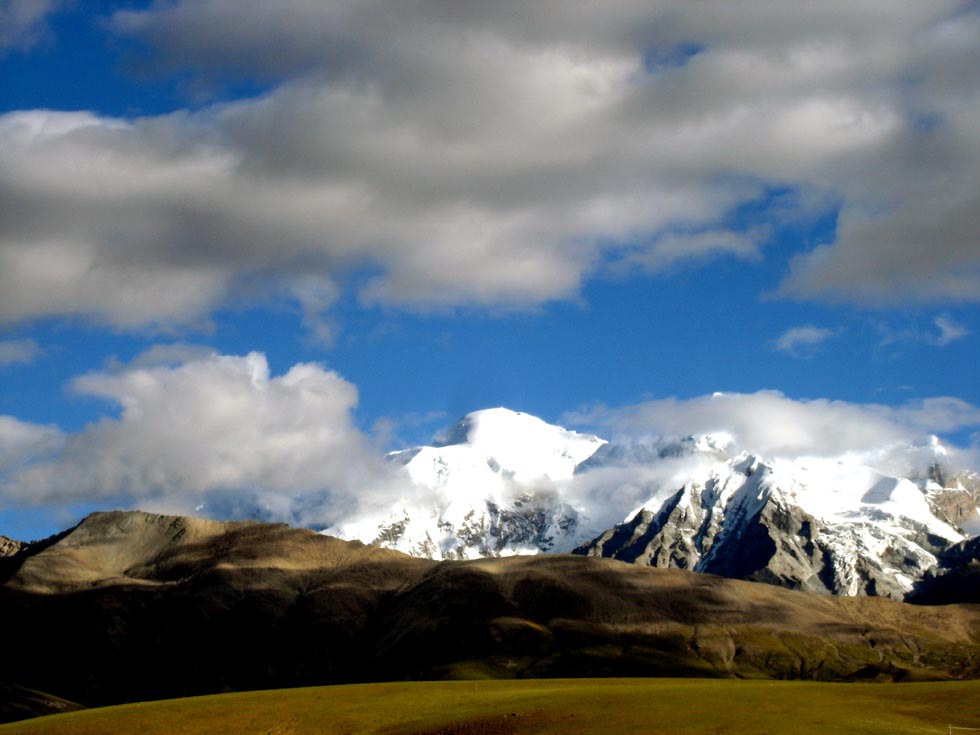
(960, 582)
(133, 606)
(18, 703)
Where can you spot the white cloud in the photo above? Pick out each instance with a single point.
(802, 341)
(941, 331)
(772, 425)
(22, 443)
(218, 431)
(949, 331)
(18, 351)
(499, 155)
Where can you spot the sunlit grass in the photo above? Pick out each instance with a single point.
(675, 706)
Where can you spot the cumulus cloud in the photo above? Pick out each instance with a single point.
(772, 425)
(499, 155)
(18, 351)
(802, 341)
(219, 433)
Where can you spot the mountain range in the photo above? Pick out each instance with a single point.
(502, 483)
(130, 606)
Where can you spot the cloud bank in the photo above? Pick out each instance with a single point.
(500, 155)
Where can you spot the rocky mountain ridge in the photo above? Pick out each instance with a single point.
(823, 528)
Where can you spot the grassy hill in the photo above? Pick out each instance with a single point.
(586, 706)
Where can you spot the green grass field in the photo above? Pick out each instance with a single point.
(587, 706)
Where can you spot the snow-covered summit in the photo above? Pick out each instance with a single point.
(512, 444)
(489, 486)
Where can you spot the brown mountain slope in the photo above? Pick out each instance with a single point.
(132, 606)
(134, 548)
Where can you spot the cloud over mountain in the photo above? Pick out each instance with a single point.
(773, 425)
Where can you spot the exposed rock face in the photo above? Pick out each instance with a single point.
(9, 547)
(955, 499)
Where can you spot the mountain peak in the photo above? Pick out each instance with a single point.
(490, 486)
(521, 444)
(494, 427)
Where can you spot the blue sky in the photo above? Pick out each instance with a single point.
(574, 211)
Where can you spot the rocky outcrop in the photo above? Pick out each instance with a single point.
(9, 546)
(955, 499)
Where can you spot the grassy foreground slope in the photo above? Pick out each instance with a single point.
(587, 706)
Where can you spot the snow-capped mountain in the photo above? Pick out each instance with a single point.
(491, 487)
(818, 524)
(505, 483)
